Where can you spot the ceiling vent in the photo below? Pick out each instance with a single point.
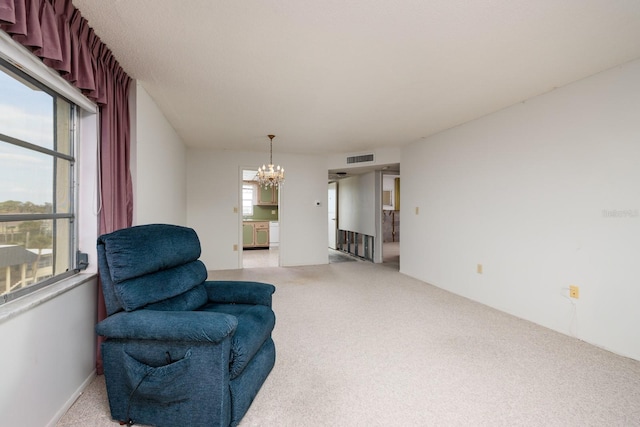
(360, 159)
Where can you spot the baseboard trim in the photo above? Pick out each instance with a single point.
(72, 399)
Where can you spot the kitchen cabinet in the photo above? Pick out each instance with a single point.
(255, 234)
(267, 196)
(262, 235)
(247, 235)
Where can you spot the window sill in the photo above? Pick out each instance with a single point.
(27, 302)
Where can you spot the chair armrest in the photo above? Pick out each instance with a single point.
(168, 325)
(239, 292)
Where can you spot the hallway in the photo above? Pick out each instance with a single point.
(254, 258)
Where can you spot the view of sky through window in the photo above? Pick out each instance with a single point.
(27, 114)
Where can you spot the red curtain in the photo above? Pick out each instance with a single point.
(55, 31)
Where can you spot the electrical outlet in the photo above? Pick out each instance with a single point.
(235, 209)
(479, 268)
(574, 291)
(417, 210)
(235, 248)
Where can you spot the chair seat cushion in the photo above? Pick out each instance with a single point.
(255, 323)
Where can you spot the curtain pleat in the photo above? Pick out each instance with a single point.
(18, 25)
(56, 32)
(50, 38)
(63, 11)
(74, 31)
(7, 12)
(31, 32)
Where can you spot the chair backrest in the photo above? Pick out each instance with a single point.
(149, 264)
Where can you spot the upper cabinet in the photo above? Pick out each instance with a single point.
(267, 196)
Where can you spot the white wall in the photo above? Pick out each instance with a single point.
(357, 204)
(213, 193)
(525, 192)
(48, 357)
(158, 164)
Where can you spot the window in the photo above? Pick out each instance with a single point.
(37, 231)
(249, 197)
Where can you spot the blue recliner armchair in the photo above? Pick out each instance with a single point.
(179, 350)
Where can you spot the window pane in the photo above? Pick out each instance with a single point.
(63, 246)
(26, 112)
(247, 210)
(247, 199)
(63, 186)
(63, 126)
(26, 254)
(26, 177)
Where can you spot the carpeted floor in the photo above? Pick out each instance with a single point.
(337, 256)
(363, 345)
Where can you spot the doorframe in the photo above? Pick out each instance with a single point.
(335, 209)
(240, 239)
(378, 244)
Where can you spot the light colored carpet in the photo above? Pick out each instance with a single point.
(363, 345)
(338, 256)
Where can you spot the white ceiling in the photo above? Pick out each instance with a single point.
(340, 76)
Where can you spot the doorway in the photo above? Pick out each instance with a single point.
(332, 211)
(260, 222)
(391, 219)
(377, 190)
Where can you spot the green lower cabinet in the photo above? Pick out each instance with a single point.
(262, 237)
(255, 234)
(247, 235)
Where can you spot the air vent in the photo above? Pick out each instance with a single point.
(360, 159)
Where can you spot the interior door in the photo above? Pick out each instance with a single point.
(332, 209)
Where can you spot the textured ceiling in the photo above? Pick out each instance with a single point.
(339, 76)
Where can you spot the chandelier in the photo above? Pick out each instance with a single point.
(270, 176)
